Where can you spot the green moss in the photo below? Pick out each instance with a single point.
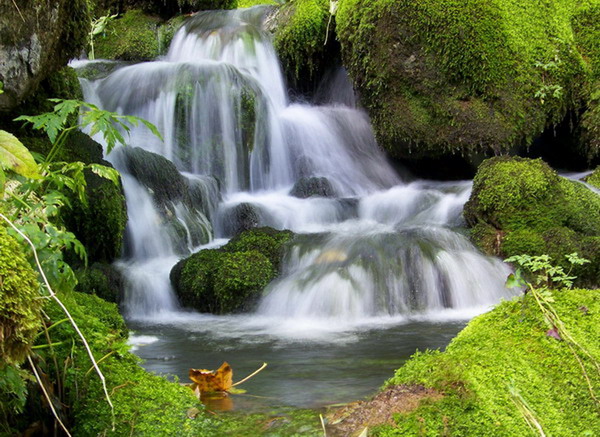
(230, 278)
(533, 211)
(267, 241)
(501, 357)
(19, 302)
(132, 37)
(594, 178)
(300, 37)
(524, 241)
(145, 404)
(461, 76)
(239, 279)
(250, 3)
(102, 280)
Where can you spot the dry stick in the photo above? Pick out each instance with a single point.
(250, 376)
(68, 314)
(39, 380)
(19, 11)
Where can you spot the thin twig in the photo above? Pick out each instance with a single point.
(19, 11)
(68, 314)
(39, 380)
(250, 376)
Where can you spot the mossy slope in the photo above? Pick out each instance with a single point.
(522, 206)
(502, 359)
(441, 77)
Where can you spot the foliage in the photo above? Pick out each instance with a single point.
(98, 28)
(503, 355)
(525, 207)
(250, 3)
(462, 76)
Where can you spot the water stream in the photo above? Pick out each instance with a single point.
(378, 269)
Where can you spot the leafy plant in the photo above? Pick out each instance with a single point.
(98, 27)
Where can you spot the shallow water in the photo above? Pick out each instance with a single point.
(321, 369)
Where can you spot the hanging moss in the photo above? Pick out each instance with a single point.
(19, 302)
(525, 207)
(503, 359)
(300, 36)
(441, 77)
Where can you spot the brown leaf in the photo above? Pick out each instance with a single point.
(213, 380)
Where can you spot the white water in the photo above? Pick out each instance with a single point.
(381, 251)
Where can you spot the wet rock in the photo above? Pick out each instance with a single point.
(240, 218)
(312, 187)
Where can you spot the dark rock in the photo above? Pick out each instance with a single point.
(240, 218)
(313, 186)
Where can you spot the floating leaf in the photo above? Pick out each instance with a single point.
(208, 381)
(16, 157)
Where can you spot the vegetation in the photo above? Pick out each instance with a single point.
(522, 206)
(504, 374)
(594, 178)
(230, 278)
(300, 37)
(441, 77)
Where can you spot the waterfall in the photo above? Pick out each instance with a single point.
(377, 247)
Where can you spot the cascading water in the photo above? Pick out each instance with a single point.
(377, 251)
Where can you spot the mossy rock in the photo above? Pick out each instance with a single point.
(165, 8)
(443, 77)
(503, 358)
(20, 302)
(60, 84)
(99, 225)
(37, 39)
(520, 205)
(131, 37)
(268, 241)
(230, 278)
(102, 280)
(300, 37)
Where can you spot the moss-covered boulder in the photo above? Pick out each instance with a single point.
(232, 277)
(504, 375)
(522, 206)
(441, 77)
(303, 41)
(20, 302)
(37, 39)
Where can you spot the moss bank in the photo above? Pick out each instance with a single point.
(441, 77)
(522, 206)
(504, 359)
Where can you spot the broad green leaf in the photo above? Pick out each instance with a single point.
(105, 172)
(15, 156)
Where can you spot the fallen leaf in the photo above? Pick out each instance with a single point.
(554, 334)
(213, 380)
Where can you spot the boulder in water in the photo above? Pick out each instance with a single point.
(240, 218)
(522, 206)
(231, 278)
(312, 187)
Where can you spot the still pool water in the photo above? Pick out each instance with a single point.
(308, 367)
